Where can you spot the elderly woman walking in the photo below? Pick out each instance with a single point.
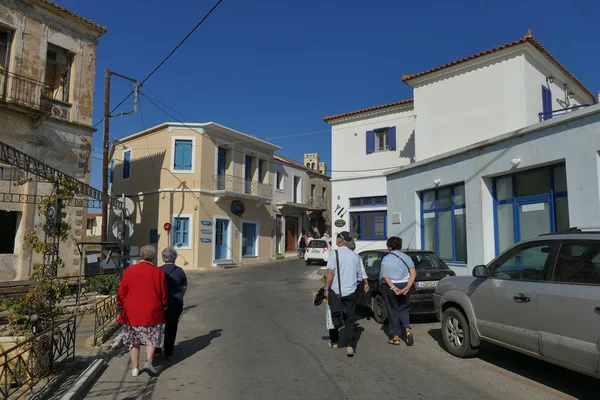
(143, 298)
(177, 285)
(397, 276)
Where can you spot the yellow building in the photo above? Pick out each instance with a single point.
(212, 184)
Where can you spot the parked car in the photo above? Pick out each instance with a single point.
(318, 250)
(540, 297)
(430, 270)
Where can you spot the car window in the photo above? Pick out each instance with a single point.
(424, 261)
(372, 262)
(578, 263)
(525, 262)
(318, 244)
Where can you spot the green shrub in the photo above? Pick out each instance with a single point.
(105, 284)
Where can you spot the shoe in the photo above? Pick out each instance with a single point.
(150, 369)
(410, 340)
(349, 351)
(334, 346)
(135, 372)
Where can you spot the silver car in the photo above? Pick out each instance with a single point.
(541, 297)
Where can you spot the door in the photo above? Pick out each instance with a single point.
(506, 302)
(291, 226)
(248, 239)
(534, 217)
(221, 168)
(569, 306)
(222, 239)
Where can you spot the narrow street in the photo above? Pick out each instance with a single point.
(253, 333)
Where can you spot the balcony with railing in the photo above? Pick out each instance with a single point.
(238, 185)
(21, 91)
(554, 113)
(318, 203)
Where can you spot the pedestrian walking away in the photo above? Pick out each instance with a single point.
(397, 277)
(177, 286)
(344, 271)
(142, 297)
(302, 242)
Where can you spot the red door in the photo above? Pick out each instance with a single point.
(290, 233)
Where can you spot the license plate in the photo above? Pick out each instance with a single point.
(427, 284)
(315, 251)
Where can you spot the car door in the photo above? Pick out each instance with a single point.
(372, 262)
(569, 306)
(506, 303)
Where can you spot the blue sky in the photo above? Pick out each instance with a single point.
(274, 68)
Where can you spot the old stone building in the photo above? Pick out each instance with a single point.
(47, 70)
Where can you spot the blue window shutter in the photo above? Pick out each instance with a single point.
(392, 137)
(178, 162)
(370, 142)
(546, 103)
(126, 164)
(187, 155)
(185, 232)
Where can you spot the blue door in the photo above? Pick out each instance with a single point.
(221, 168)
(221, 239)
(249, 239)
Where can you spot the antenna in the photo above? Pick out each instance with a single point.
(411, 238)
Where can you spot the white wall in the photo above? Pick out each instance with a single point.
(349, 139)
(288, 171)
(573, 139)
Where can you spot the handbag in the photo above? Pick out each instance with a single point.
(328, 318)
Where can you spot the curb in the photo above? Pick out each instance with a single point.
(85, 380)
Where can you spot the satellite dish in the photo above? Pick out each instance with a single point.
(117, 229)
(129, 207)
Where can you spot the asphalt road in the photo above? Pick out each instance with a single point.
(253, 333)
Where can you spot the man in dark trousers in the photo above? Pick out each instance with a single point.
(177, 285)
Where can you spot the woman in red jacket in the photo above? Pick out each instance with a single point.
(143, 298)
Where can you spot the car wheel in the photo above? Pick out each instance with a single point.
(379, 309)
(307, 262)
(456, 334)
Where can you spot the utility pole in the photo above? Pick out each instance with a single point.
(106, 144)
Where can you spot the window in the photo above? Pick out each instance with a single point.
(126, 173)
(374, 201)
(181, 233)
(324, 193)
(369, 225)
(9, 221)
(183, 155)
(249, 240)
(546, 103)
(247, 174)
(153, 236)
(58, 72)
(297, 190)
(372, 262)
(5, 38)
(578, 263)
(111, 170)
(443, 222)
(279, 181)
(530, 203)
(382, 139)
(313, 188)
(525, 263)
(90, 224)
(260, 171)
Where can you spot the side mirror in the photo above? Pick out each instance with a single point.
(480, 271)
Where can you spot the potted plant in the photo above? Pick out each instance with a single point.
(105, 286)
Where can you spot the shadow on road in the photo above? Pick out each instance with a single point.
(190, 347)
(558, 378)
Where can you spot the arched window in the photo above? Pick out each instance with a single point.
(313, 166)
(308, 165)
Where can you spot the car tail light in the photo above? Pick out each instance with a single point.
(325, 249)
(452, 273)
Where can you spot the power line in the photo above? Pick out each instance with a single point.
(166, 58)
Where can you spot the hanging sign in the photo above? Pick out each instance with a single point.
(237, 208)
(340, 223)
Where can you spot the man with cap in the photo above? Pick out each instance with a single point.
(350, 273)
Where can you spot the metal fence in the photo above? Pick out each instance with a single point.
(25, 91)
(105, 318)
(30, 362)
(238, 184)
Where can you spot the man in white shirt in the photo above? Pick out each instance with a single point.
(350, 273)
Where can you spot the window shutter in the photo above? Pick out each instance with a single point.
(370, 142)
(178, 163)
(127, 165)
(187, 155)
(546, 103)
(184, 232)
(392, 137)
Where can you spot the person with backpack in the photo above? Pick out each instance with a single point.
(397, 276)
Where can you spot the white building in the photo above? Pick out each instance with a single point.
(455, 105)
(93, 225)
(472, 203)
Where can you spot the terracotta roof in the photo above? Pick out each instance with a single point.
(93, 215)
(296, 164)
(397, 103)
(528, 38)
(73, 14)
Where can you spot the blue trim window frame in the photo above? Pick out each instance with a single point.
(183, 157)
(373, 201)
(126, 170)
(181, 232)
(366, 224)
(556, 194)
(437, 209)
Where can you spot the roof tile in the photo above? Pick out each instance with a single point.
(74, 14)
(397, 103)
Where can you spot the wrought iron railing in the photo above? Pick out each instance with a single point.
(240, 185)
(79, 289)
(105, 318)
(316, 202)
(27, 364)
(554, 113)
(25, 91)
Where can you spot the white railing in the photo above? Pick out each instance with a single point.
(238, 184)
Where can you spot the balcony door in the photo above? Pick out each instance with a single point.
(248, 175)
(221, 168)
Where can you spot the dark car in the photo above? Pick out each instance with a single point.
(430, 270)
